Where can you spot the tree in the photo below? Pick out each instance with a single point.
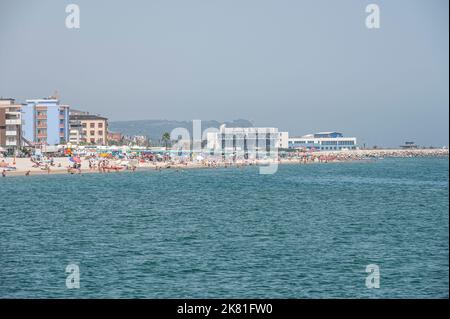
(166, 139)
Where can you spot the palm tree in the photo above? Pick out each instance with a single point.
(166, 139)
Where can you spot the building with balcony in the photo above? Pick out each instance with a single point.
(283, 140)
(244, 142)
(10, 125)
(76, 132)
(88, 128)
(45, 121)
(323, 141)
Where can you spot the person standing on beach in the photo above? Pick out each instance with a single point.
(27, 173)
(4, 173)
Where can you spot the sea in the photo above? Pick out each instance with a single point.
(367, 229)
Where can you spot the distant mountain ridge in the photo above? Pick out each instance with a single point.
(154, 129)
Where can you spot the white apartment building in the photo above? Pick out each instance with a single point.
(244, 142)
(283, 140)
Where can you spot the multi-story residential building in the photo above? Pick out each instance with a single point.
(45, 121)
(94, 128)
(283, 140)
(323, 141)
(246, 142)
(76, 131)
(10, 124)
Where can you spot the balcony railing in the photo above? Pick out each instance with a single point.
(41, 117)
(13, 113)
(13, 122)
(11, 133)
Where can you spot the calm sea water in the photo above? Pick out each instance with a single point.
(308, 231)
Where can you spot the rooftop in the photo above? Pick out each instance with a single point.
(327, 133)
(81, 117)
(44, 100)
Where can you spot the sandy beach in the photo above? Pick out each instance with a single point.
(62, 165)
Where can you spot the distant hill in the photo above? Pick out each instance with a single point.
(154, 129)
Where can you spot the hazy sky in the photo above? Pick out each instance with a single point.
(302, 66)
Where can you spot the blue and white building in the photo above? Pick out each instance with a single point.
(323, 141)
(45, 122)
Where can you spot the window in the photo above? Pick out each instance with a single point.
(93, 140)
(92, 125)
(92, 132)
(84, 125)
(100, 125)
(100, 132)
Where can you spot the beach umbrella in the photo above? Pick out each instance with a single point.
(75, 159)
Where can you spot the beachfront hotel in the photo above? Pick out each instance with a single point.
(323, 141)
(10, 125)
(88, 128)
(246, 142)
(45, 122)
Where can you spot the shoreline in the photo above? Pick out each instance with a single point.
(23, 165)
